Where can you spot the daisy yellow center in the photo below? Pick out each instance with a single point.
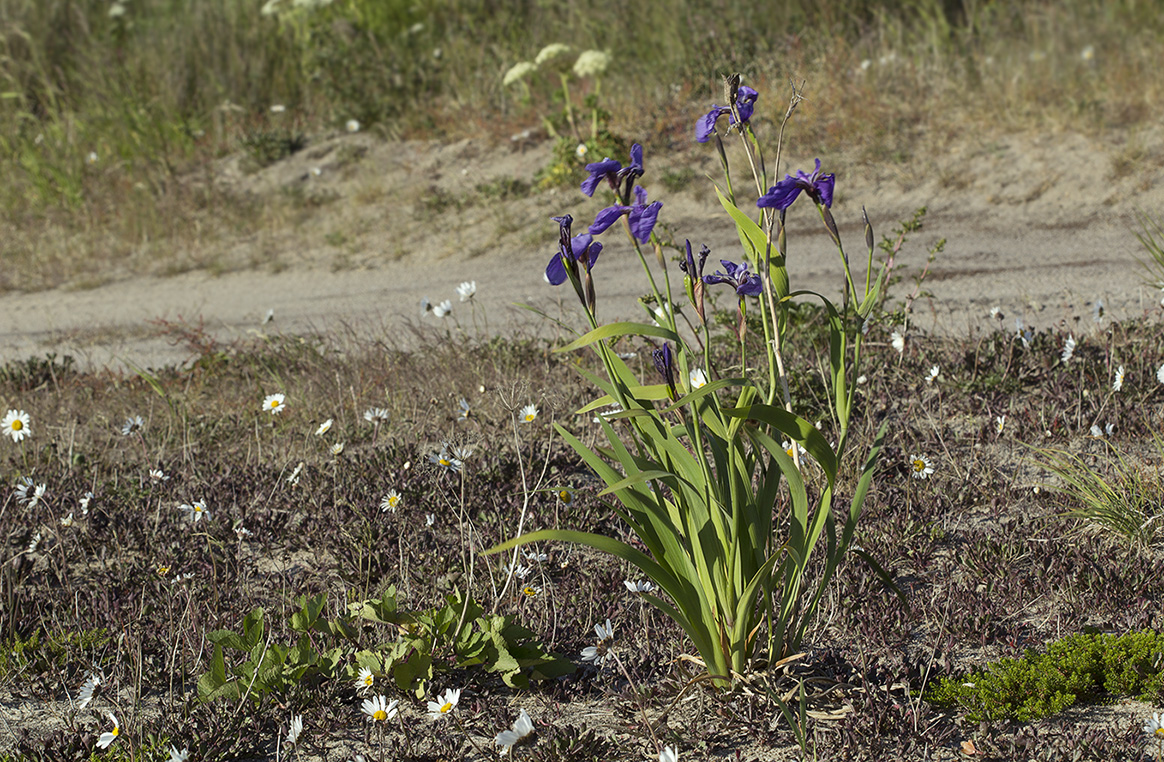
(274, 403)
(565, 496)
(116, 730)
(530, 591)
(392, 501)
(163, 571)
(919, 465)
(789, 451)
(446, 462)
(447, 707)
(528, 418)
(368, 681)
(17, 425)
(379, 715)
(1159, 732)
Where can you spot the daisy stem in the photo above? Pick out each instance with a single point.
(638, 699)
(466, 732)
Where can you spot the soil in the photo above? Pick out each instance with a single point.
(1039, 225)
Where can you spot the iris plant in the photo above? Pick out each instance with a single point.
(818, 187)
(745, 104)
(621, 179)
(641, 216)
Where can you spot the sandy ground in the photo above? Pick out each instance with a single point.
(1041, 226)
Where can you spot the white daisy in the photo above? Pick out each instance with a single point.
(507, 739)
(132, 424)
(17, 425)
(697, 378)
(898, 341)
(390, 502)
(294, 731)
(443, 309)
(1096, 432)
(158, 475)
(1154, 727)
(599, 652)
(446, 461)
(323, 428)
(669, 754)
(34, 543)
(28, 494)
(365, 680)
(581, 151)
(529, 414)
(429, 519)
(536, 557)
(376, 415)
(1118, 383)
(919, 466)
(1097, 311)
(352, 125)
(1068, 349)
(519, 571)
(467, 290)
(463, 412)
(642, 586)
(84, 503)
(67, 521)
(274, 403)
(532, 591)
(444, 704)
(241, 532)
(999, 422)
(195, 511)
(293, 479)
(380, 709)
(935, 371)
(1160, 374)
(109, 736)
(88, 688)
(178, 756)
(566, 495)
(996, 313)
(337, 449)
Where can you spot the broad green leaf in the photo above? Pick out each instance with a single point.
(612, 330)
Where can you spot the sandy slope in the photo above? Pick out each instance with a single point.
(1040, 226)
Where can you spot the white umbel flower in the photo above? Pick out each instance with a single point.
(591, 63)
(518, 72)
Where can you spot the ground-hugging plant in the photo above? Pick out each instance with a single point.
(730, 491)
(1077, 668)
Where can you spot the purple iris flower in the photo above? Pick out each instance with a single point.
(607, 169)
(738, 277)
(619, 177)
(573, 249)
(693, 271)
(818, 187)
(665, 364)
(745, 104)
(641, 217)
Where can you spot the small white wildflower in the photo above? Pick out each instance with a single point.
(109, 736)
(92, 157)
(88, 688)
(29, 494)
(294, 731)
(1160, 374)
(390, 502)
(1068, 349)
(178, 756)
(429, 519)
(380, 709)
(34, 543)
(352, 125)
(1087, 53)
(445, 704)
(274, 403)
(528, 414)
(581, 151)
(195, 511)
(551, 52)
(519, 571)
(898, 341)
(642, 586)
(1096, 431)
(158, 475)
(278, 108)
(67, 521)
(507, 739)
(697, 378)
(365, 680)
(337, 449)
(132, 424)
(591, 63)
(999, 422)
(1118, 383)
(598, 653)
(935, 371)
(669, 754)
(324, 428)
(536, 557)
(293, 479)
(919, 466)
(241, 532)
(84, 503)
(17, 425)
(467, 290)
(518, 72)
(1154, 727)
(1097, 311)
(996, 313)
(376, 415)
(443, 309)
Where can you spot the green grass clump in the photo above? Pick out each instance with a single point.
(43, 652)
(1077, 668)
